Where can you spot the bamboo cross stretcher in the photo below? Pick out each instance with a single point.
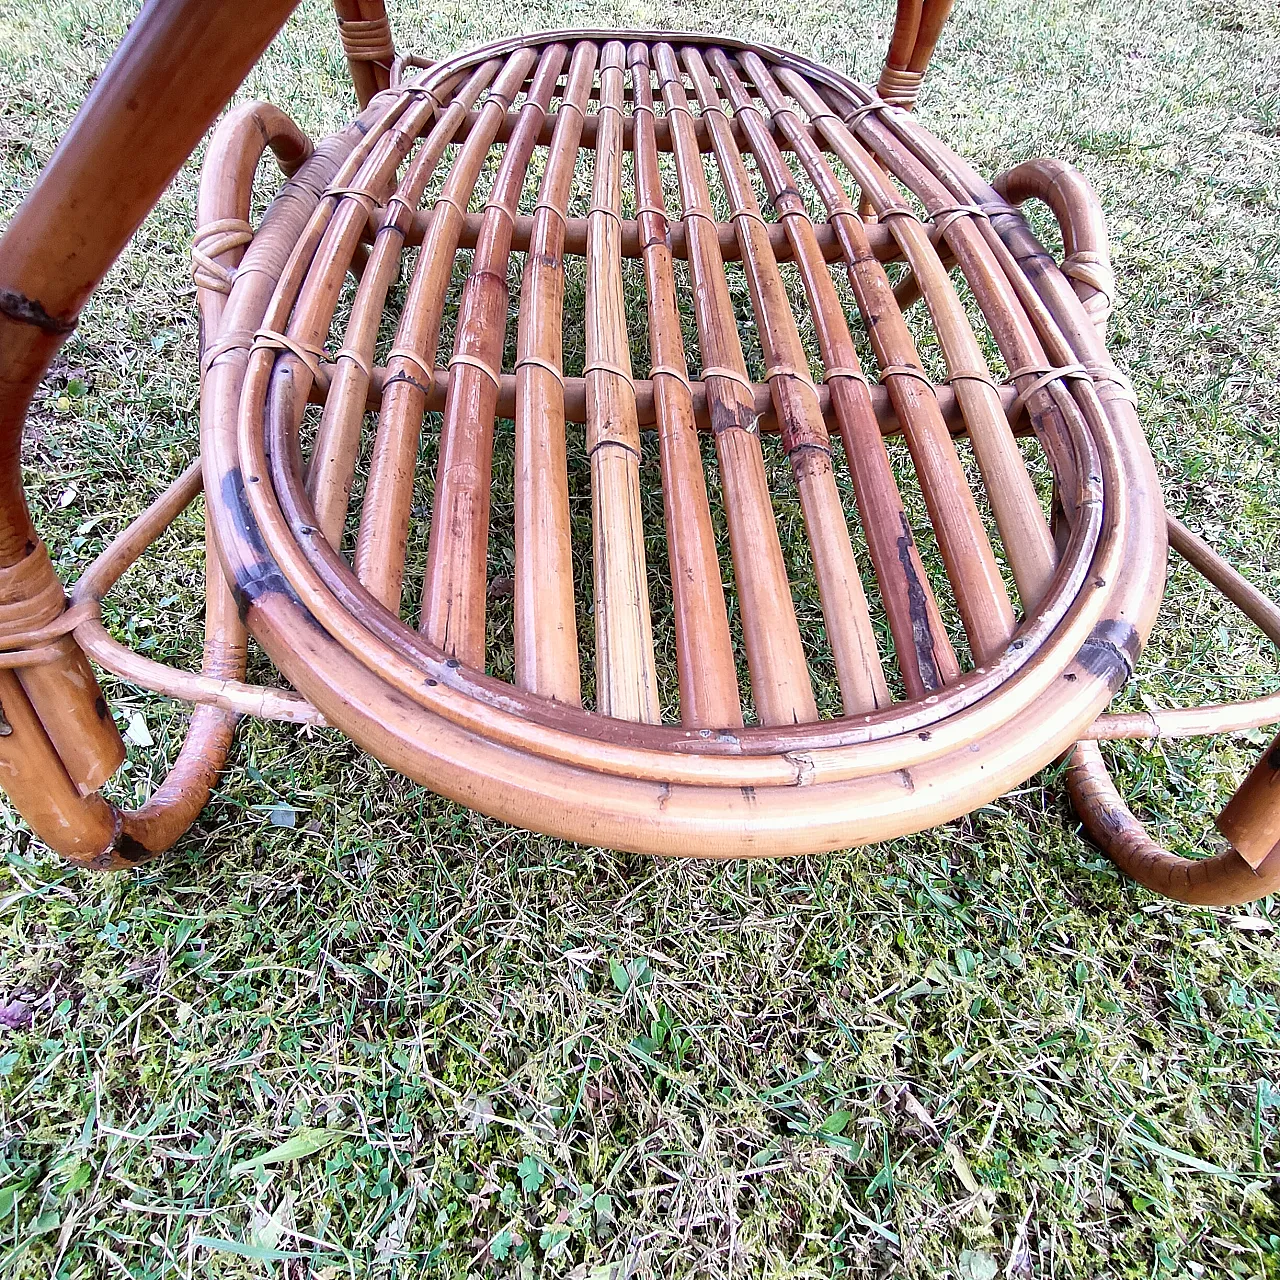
(332, 344)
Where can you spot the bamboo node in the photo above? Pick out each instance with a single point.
(906, 371)
(943, 218)
(232, 340)
(366, 198)
(671, 371)
(356, 358)
(846, 371)
(367, 40)
(723, 371)
(390, 219)
(789, 204)
(604, 366)
(790, 371)
(859, 113)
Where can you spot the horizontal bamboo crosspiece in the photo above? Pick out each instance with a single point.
(649, 439)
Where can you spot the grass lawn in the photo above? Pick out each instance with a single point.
(970, 1054)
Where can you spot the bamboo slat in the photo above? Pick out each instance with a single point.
(926, 659)
(384, 521)
(780, 682)
(453, 593)
(804, 433)
(1019, 516)
(546, 639)
(333, 458)
(971, 565)
(626, 676)
(708, 678)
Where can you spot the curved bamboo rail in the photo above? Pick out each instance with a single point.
(1052, 614)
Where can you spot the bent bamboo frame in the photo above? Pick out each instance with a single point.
(1046, 658)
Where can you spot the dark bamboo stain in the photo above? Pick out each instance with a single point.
(1111, 652)
(918, 608)
(17, 306)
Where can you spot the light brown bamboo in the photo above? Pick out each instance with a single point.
(661, 788)
(957, 235)
(174, 71)
(1069, 331)
(1019, 516)
(915, 33)
(415, 689)
(1086, 249)
(662, 132)
(1221, 880)
(219, 686)
(171, 75)
(1202, 721)
(926, 657)
(804, 433)
(626, 673)
(366, 40)
(780, 682)
(453, 591)
(546, 632)
(971, 565)
(384, 521)
(1251, 818)
(575, 402)
(634, 244)
(704, 649)
(333, 459)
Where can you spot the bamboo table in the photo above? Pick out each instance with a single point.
(334, 343)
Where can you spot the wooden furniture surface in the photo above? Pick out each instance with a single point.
(909, 542)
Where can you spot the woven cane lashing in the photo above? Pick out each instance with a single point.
(629, 592)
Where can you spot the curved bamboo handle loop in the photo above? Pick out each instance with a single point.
(218, 691)
(1086, 246)
(1226, 879)
(1250, 867)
